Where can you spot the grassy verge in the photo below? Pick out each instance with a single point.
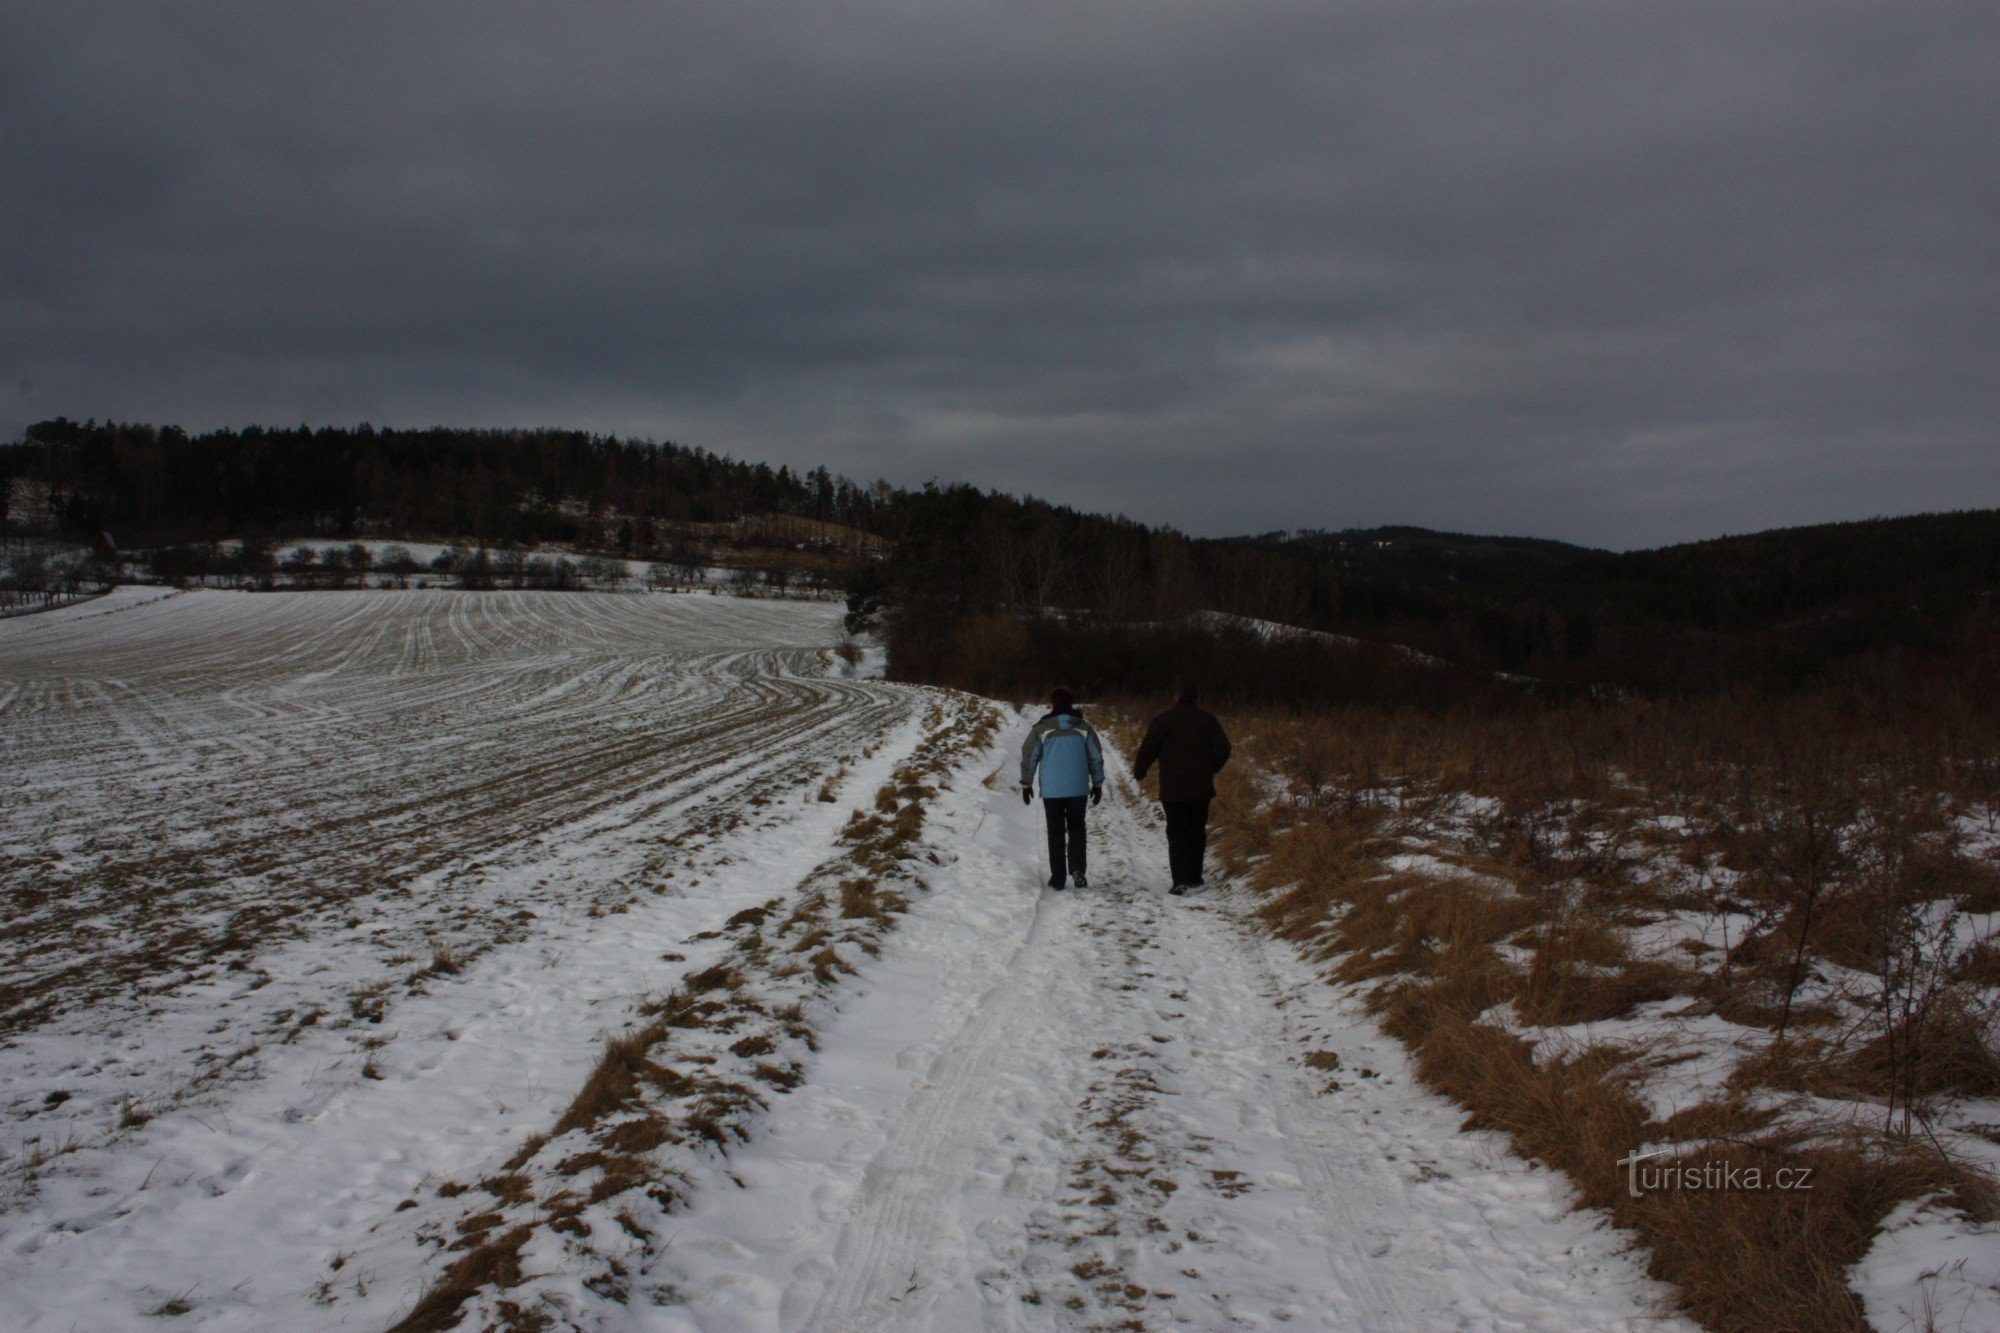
(688, 1082)
(1746, 941)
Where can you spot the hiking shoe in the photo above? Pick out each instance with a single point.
(1178, 890)
(1081, 882)
(1056, 884)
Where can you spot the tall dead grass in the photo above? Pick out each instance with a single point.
(1831, 836)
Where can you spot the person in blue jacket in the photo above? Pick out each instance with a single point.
(1071, 759)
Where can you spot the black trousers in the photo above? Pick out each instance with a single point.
(1187, 839)
(1065, 816)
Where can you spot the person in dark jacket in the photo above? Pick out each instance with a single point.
(1065, 749)
(1190, 747)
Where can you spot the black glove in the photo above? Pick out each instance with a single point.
(1027, 796)
(1096, 795)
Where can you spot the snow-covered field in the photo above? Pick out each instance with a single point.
(317, 900)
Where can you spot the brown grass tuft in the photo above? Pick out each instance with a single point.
(612, 1086)
(719, 977)
(496, 1263)
(828, 966)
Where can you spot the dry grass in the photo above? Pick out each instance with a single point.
(710, 1054)
(496, 1263)
(863, 898)
(1550, 835)
(612, 1086)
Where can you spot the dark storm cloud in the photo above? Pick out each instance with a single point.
(1620, 274)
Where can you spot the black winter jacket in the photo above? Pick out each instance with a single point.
(1190, 747)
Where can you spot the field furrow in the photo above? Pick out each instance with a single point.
(245, 835)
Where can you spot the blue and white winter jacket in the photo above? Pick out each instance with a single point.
(1066, 749)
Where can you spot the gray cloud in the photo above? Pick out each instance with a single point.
(1621, 277)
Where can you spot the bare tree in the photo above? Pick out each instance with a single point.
(510, 566)
(601, 570)
(397, 561)
(1033, 566)
(334, 561)
(254, 561)
(1121, 577)
(688, 561)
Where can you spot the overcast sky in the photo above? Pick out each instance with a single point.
(1621, 274)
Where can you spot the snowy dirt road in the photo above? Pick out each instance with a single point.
(1116, 1109)
(321, 905)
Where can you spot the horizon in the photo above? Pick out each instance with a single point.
(1280, 533)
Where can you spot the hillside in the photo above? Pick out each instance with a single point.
(1421, 552)
(1780, 607)
(999, 587)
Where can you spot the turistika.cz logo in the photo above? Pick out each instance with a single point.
(1641, 1179)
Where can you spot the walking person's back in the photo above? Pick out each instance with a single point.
(1190, 746)
(1065, 750)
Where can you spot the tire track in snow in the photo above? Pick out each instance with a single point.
(1229, 1016)
(906, 1186)
(1060, 987)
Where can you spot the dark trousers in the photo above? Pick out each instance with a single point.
(1065, 816)
(1187, 839)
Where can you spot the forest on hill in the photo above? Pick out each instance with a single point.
(1003, 592)
(1869, 603)
(154, 486)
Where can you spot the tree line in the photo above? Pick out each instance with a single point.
(977, 586)
(1004, 592)
(158, 485)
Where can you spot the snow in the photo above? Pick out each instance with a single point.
(1429, 866)
(276, 1147)
(494, 825)
(1691, 1054)
(1931, 1268)
(1272, 629)
(1048, 1109)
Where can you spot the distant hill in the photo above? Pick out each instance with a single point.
(1793, 601)
(944, 567)
(1401, 552)
(1780, 604)
(1781, 610)
(1789, 578)
(1454, 554)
